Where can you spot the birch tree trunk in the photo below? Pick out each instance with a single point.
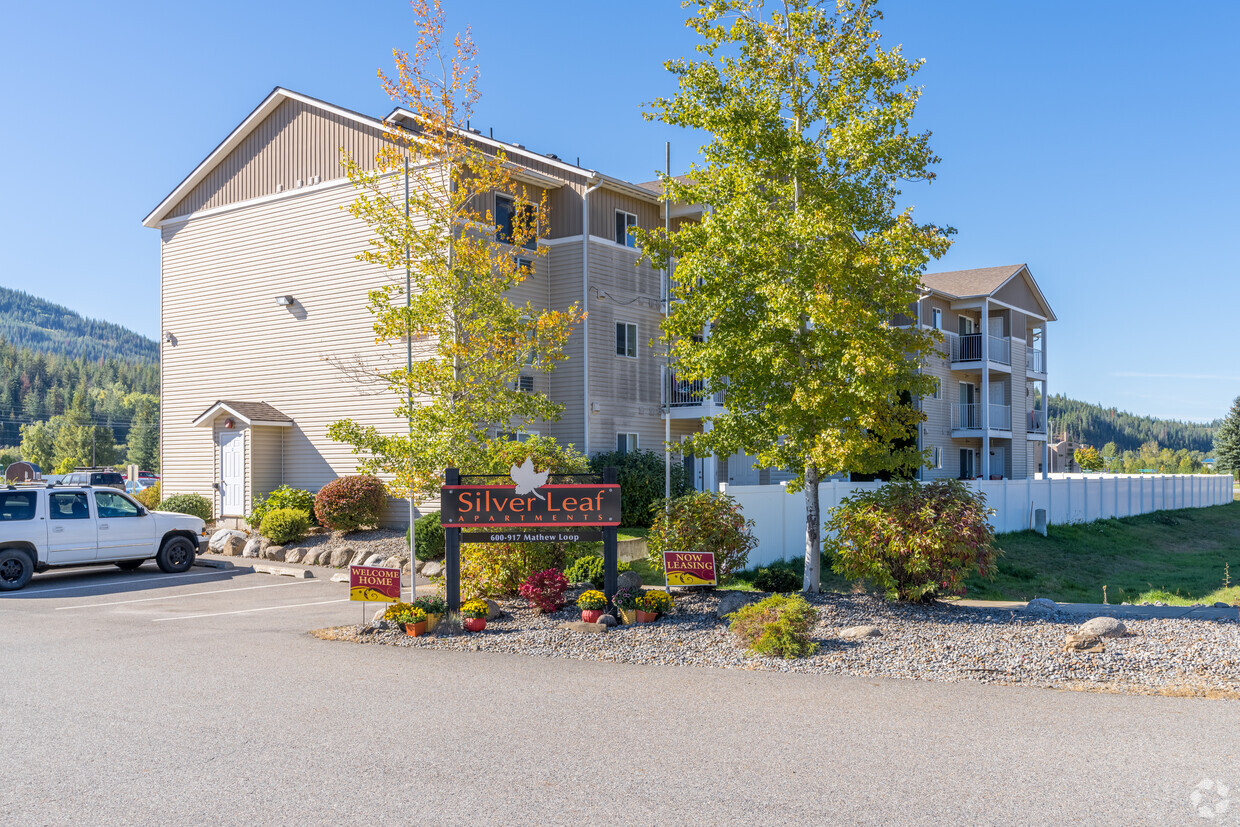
(813, 525)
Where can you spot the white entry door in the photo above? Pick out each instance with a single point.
(232, 474)
(998, 461)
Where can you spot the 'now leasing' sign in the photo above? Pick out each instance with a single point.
(690, 568)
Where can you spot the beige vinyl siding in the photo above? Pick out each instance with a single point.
(296, 141)
(1017, 293)
(220, 276)
(266, 471)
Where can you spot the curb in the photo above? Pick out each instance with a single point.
(213, 564)
(260, 568)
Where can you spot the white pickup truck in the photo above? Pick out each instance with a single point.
(51, 527)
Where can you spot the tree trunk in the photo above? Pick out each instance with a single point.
(813, 525)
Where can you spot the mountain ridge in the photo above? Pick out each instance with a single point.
(33, 323)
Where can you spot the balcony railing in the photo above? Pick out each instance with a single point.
(685, 393)
(1036, 423)
(1000, 350)
(1035, 361)
(968, 417)
(967, 347)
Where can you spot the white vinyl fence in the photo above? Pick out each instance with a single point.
(779, 517)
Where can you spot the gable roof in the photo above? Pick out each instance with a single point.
(984, 282)
(251, 413)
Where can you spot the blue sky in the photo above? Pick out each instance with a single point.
(1094, 141)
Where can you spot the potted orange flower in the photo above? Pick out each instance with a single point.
(475, 614)
(414, 621)
(651, 604)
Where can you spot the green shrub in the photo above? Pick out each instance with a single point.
(285, 525)
(641, 478)
(195, 505)
(702, 521)
(498, 569)
(777, 579)
(282, 497)
(911, 540)
(589, 569)
(780, 626)
(428, 539)
(149, 496)
(350, 503)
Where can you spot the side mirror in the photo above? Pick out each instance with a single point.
(142, 512)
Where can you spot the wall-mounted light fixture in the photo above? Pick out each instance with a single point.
(285, 301)
(169, 338)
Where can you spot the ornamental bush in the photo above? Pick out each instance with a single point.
(282, 497)
(195, 505)
(780, 626)
(428, 537)
(545, 589)
(777, 579)
(149, 496)
(350, 503)
(641, 478)
(914, 541)
(285, 525)
(589, 569)
(702, 521)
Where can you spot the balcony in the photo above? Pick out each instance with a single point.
(967, 419)
(1035, 425)
(965, 351)
(688, 399)
(1035, 362)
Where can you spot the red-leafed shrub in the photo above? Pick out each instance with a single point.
(913, 541)
(545, 589)
(350, 503)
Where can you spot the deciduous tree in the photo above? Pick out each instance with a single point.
(804, 255)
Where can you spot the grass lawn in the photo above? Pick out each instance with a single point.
(1178, 557)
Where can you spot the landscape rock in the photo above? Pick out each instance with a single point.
(310, 557)
(493, 609)
(730, 602)
(293, 555)
(1083, 642)
(216, 543)
(857, 632)
(406, 570)
(339, 558)
(582, 626)
(1041, 605)
(234, 545)
(255, 543)
(275, 553)
(392, 563)
(629, 580)
(374, 560)
(432, 569)
(359, 556)
(1103, 627)
(250, 551)
(1222, 605)
(378, 615)
(608, 620)
(417, 565)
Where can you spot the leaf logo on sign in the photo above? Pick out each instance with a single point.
(527, 479)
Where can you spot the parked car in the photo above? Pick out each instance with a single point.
(94, 476)
(49, 527)
(135, 487)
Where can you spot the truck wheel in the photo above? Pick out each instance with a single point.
(16, 569)
(129, 565)
(176, 556)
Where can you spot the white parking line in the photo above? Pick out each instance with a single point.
(248, 611)
(114, 582)
(175, 596)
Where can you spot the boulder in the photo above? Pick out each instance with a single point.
(216, 543)
(1222, 605)
(731, 601)
(406, 570)
(858, 632)
(493, 609)
(234, 545)
(1103, 627)
(432, 569)
(417, 565)
(339, 558)
(374, 560)
(251, 551)
(582, 626)
(251, 547)
(293, 555)
(358, 556)
(608, 620)
(275, 553)
(1082, 642)
(392, 563)
(629, 580)
(378, 615)
(1041, 605)
(310, 558)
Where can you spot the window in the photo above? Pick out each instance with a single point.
(525, 265)
(624, 221)
(626, 340)
(626, 443)
(525, 384)
(515, 436)
(109, 504)
(936, 318)
(17, 505)
(938, 389)
(507, 212)
(67, 506)
(936, 457)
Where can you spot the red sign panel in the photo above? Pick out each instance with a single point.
(372, 584)
(547, 506)
(690, 568)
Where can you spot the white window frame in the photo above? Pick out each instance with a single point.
(628, 240)
(526, 263)
(630, 340)
(515, 436)
(631, 444)
(938, 388)
(936, 457)
(523, 379)
(936, 318)
(516, 203)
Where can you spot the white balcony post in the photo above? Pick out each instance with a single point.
(985, 400)
(1046, 412)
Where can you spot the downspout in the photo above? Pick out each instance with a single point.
(921, 469)
(592, 184)
(667, 361)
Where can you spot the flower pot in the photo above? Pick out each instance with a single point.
(475, 624)
(415, 629)
(431, 622)
(591, 615)
(627, 615)
(646, 617)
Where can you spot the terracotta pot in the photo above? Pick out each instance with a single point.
(415, 629)
(591, 615)
(475, 624)
(646, 617)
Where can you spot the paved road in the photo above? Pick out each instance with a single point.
(150, 699)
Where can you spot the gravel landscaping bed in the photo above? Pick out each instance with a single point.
(937, 642)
